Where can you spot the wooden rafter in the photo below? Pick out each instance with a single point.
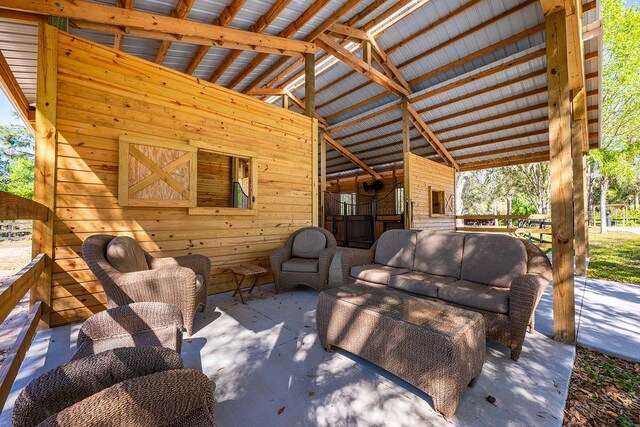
(180, 12)
(258, 27)
(14, 91)
(118, 39)
(225, 18)
(344, 9)
(336, 145)
(358, 64)
(431, 137)
(189, 31)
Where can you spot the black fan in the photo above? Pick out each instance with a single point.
(377, 185)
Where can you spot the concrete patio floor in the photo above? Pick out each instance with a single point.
(270, 370)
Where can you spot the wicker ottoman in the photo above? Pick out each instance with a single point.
(437, 348)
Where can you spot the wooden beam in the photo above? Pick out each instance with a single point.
(180, 12)
(561, 176)
(310, 85)
(14, 207)
(21, 17)
(359, 65)
(267, 91)
(258, 27)
(13, 90)
(44, 182)
(315, 208)
(302, 106)
(118, 39)
(348, 31)
(383, 59)
(16, 286)
(226, 16)
(361, 118)
(304, 18)
(81, 10)
(579, 133)
(406, 123)
(336, 145)
(323, 178)
(505, 161)
(432, 138)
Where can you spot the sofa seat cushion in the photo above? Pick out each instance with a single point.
(308, 244)
(476, 295)
(493, 259)
(376, 273)
(439, 253)
(420, 283)
(396, 248)
(300, 265)
(126, 255)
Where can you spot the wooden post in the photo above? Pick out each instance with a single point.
(314, 173)
(580, 221)
(45, 162)
(406, 164)
(310, 84)
(323, 177)
(561, 176)
(285, 102)
(366, 52)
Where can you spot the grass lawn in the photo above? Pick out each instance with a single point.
(614, 256)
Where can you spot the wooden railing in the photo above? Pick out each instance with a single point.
(16, 287)
(535, 227)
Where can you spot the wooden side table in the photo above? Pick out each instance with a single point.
(242, 271)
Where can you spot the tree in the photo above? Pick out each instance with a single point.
(16, 160)
(620, 110)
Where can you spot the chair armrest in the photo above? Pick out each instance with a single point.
(177, 397)
(277, 257)
(353, 257)
(200, 264)
(129, 319)
(526, 291)
(74, 381)
(324, 266)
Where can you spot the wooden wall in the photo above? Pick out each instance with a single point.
(425, 175)
(103, 94)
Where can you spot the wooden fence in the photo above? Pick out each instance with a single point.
(15, 230)
(535, 227)
(15, 288)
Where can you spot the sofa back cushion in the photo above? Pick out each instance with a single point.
(308, 244)
(439, 253)
(125, 255)
(396, 248)
(493, 259)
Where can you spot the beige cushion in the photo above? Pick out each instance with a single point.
(476, 295)
(199, 282)
(376, 273)
(125, 255)
(300, 265)
(420, 283)
(493, 259)
(396, 248)
(308, 244)
(439, 253)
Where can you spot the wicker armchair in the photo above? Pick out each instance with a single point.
(170, 280)
(144, 386)
(305, 258)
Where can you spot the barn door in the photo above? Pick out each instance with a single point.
(156, 173)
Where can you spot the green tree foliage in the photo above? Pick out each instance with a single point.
(616, 162)
(16, 160)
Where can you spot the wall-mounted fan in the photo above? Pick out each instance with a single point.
(377, 185)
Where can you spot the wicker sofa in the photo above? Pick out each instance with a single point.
(499, 276)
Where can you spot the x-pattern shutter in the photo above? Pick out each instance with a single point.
(156, 173)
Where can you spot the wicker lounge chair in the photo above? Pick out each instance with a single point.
(144, 386)
(139, 277)
(305, 258)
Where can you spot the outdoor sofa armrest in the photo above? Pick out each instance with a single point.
(176, 397)
(324, 265)
(74, 381)
(353, 257)
(526, 291)
(129, 319)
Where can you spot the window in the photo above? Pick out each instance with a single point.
(348, 203)
(399, 200)
(227, 180)
(437, 202)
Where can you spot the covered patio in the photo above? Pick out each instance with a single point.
(140, 109)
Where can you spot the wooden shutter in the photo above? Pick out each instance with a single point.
(156, 173)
